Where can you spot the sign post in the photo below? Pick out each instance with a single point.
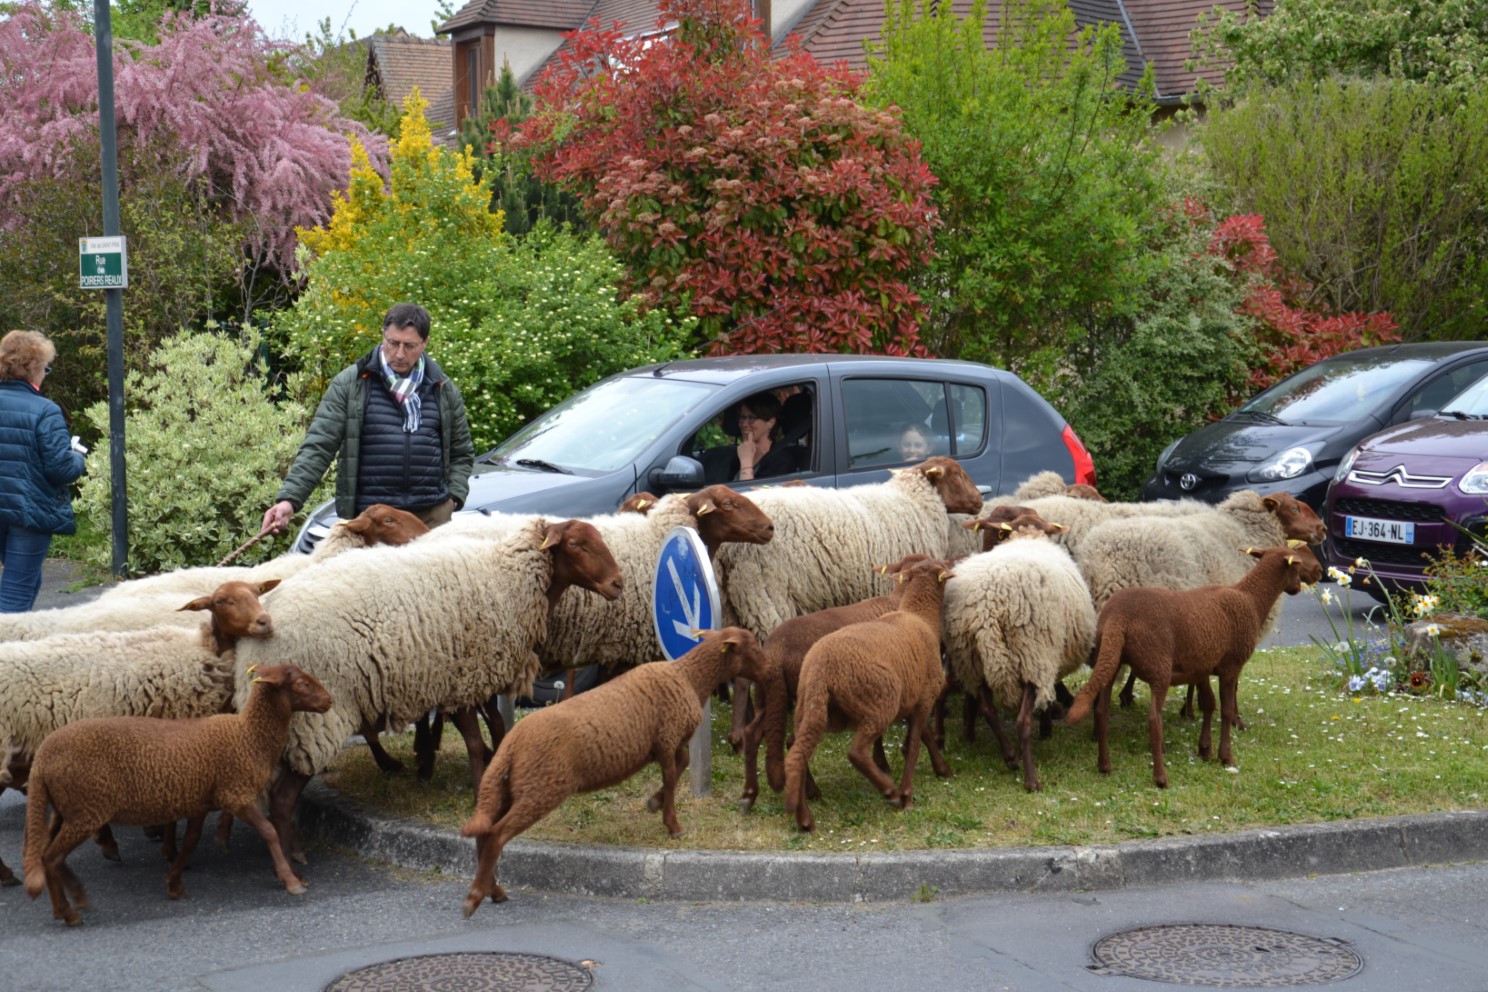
(684, 599)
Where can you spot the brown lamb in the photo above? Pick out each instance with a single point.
(143, 770)
(1181, 637)
(640, 502)
(867, 676)
(600, 738)
(786, 648)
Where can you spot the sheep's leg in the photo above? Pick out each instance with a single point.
(1229, 715)
(248, 812)
(168, 844)
(7, 877)
(495, 722)
(673, 762)
(427, 733)
(989, 710)
(107, 845)
(919, 728)
(937, 759)
(860, 753)
(284, 794)
(881, 759)
(386, 763)
(1155, 732)
(570, 676)
(1102, 719)
(741, 715)
(1206, 706)
(1046, 722)
(1025, 737)
(969, 706)
(60, 880)
(752, 734)
(1128, 698)
(1063, 697)
(173, 886)
(224, 830)
(520, 814)
(468, 723)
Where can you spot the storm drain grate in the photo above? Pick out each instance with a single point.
(1224, 956)
(468, 972)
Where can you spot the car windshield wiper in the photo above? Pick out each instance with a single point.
(1260, 415)
(490, 458)
(1460, 415)
(545, 466)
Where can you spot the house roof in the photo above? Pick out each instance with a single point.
(560, 15)
(398, 62)
(1152, 31)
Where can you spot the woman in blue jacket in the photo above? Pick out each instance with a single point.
(38, 460)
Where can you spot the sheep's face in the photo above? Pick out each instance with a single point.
(581, 558)
(236, 611)
(383, 524)
(957, 491)
(1297, 518)
(641, 503)
(1082, 491)
(306, 694)
(724, 515)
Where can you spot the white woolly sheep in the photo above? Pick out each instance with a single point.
(1016, 620)
(438, 624)
(378, 524)
(161, 672)
(827, 542)
(144, 771)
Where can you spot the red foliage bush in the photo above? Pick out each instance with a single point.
(788, 214)
(1290, 335)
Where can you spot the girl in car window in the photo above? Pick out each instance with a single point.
(914, 443)
(758, 456)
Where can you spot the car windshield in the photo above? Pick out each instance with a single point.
(1471, 402)
(1336, 391)
(603, 427)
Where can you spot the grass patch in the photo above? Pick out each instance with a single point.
(1309, 755)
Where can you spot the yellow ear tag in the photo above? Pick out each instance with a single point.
(724, 649)
(1005, 526)
(258, 680)
(1293, 542)
(705, 509)
(643, 504)
(548, 542)
(251, 668)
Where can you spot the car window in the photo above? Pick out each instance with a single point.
(881, 415)
(715, 442)
(1439, 392)
(1472, 401)
(605, 426)
(1336, 391)
(969, 419)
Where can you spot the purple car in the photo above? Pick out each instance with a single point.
(1407, 491)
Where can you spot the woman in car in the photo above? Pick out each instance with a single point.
(757, 455)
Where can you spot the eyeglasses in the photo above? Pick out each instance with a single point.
(750, 417)
(398, 347)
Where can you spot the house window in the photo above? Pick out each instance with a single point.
(472, 80)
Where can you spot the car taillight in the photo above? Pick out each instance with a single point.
(1084, 464)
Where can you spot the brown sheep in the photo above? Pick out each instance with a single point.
(1181, 637)
(786, 648)
(867, 676)
(600, 738)
(640, 503)
(142, 770)
(1080, 490)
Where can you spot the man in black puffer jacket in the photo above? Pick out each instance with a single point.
(396, 425)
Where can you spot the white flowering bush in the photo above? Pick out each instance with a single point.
(205, 450)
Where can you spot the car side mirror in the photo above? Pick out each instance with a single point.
(680, 472)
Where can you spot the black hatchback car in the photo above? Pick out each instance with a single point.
(1292, 436)
(674, 426)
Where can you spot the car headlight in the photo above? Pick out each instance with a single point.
(1287, 465)
(1475, 480)
(1347, 464)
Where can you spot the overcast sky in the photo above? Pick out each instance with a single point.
(292, 19)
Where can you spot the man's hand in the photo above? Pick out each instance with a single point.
(276, 516)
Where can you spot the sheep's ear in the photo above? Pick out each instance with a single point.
(267, 585)
(641, 504)
(553, 536)
(1270, 503)
(880, 570)
(199, 603)
(1058, 528)
(357, 525)
(1254, 552)
(975, 526)
(1291, 559)
(934, 471)
(945, 574)
(251, 668)
(1293, 542)
(1005, 526)
(706, 508)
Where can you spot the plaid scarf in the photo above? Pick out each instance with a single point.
(404, 390)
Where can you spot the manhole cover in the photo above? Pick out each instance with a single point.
(472, 972)
(1224, 956)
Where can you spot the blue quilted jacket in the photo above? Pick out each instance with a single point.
(36, 461)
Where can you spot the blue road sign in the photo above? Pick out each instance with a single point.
(684, 593)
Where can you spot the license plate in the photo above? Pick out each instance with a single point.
(1372, 529)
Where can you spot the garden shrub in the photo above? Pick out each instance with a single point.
(206, 449)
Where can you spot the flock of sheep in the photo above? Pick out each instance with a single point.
(385, 623)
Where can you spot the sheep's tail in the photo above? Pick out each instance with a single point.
(1108, 644)
(37, 835)
(811, 724)
(494, 798)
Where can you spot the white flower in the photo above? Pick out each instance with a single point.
(1433, 629)
(1326, 596)
(1344, 581)
(1361, 562)
(1333, 572)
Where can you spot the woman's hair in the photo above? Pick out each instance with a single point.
(918, 429)
(23, 354)
(764, 406)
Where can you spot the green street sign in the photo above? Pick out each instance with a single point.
(103, 263)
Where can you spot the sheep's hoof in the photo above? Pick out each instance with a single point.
(72, 920)
(471, 905)
(1205, 753)
(298, 857)
(745, 805)
(1034, 786)
(297, 889)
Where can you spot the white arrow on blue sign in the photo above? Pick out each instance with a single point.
(684, 593)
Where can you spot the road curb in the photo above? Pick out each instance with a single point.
(730, 876)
